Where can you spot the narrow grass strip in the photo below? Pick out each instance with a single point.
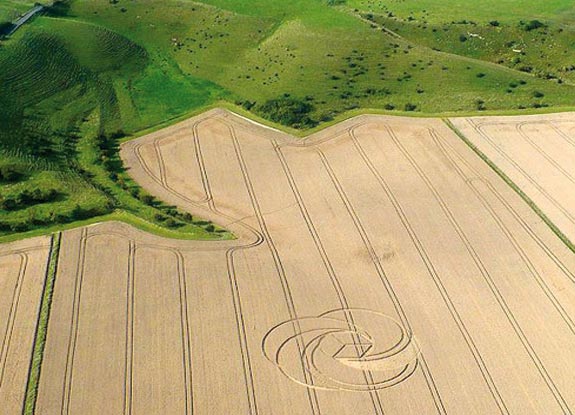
(42, 328)
(512, 184)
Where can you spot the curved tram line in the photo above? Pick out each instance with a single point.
(480, 130)
(347, 349)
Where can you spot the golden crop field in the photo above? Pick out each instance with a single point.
(380, 267)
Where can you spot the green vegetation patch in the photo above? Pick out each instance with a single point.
(42, 327)
(68, 87)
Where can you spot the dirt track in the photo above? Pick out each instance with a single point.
(380, 267)
(22, 276)
(537, 152)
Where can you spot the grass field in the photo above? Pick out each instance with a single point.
(444, 11)
(11, 9)
(531, 37)
(89, 74)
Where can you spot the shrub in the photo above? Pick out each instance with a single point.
(187, 217)
(59, 8)
(78, 212)
(538, 94)
(248, 105)
(494, 23)
(19, 227)
(146, 198)
(534, 25)
(9, 173)
(135, 192)
(171, 223)
(288, 111)
(410, 107)
(28, 198)
(5, 28)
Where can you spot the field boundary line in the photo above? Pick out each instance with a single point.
(444, 146)
(129, 342)
(486, 276)
(440, 142)
(479, 128)
(513, 186)
(38, 348)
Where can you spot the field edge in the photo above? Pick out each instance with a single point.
(513, 186)
(143, 224)
(344, 116)
(42, 327)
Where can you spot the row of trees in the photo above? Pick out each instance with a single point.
(36, 219)
(26, 198)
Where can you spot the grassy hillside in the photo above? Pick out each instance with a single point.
(70, 90)
(533, 37)
(326, 55)
(11, 9)
(441, 11)
(89, 73)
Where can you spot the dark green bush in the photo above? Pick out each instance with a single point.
(288, 111)
(534, 25)
(172, 223)
(5, 28)
(9, 173)
(59, 8)
(160, 218)
(146, 198)
(27, 198)
(538, 94)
